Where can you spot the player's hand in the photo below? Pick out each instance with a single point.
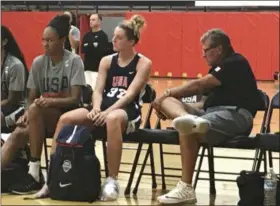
(156, 104)
(93, 113)
(100, 119)
(23, 120)
(43, 102)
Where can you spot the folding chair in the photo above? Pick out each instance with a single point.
(239, 142)
(270, 142)
(171, 137)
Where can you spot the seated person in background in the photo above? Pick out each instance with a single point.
(116, 100)
(13, 75)
(73, 40)
(55, 83)
(228, 110)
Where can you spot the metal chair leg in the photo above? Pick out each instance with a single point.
(265, 161)
(199, 167)
(105, 158)
(135, 163)
(162, 167)
(211, 170)
(46, 155)
(256, 160)
(270, 160)
(259, 160)
(141, 171)
(154, 182)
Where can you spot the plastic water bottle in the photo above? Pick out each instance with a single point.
(270, 188)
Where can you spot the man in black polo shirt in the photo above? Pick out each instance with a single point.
(231, 104)
(95, 44)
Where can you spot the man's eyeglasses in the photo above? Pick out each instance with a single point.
(208, 49)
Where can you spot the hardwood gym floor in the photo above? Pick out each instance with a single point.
(227, 192)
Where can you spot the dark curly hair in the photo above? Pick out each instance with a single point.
(12, 47)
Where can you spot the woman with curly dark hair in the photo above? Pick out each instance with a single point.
(13, 77)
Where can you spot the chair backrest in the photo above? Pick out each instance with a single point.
(263, 106)
(87, 95)
(150, 94)
(274, 104)
(148, 98)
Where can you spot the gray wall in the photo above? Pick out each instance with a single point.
(109, 24)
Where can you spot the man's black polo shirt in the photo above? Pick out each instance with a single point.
(238, 85)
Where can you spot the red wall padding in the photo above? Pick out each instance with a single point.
(27, 28)
(84, 28)
(171, 40)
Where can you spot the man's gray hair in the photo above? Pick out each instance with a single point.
(216, 37)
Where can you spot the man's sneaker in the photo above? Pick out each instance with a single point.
(182, 193)
(110, 190)
(28, 185)
(189, 124)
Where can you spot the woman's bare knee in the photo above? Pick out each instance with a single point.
(117, 117)
(77, 116)
(33, 111)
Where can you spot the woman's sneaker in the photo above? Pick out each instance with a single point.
(43, 193)
(182, 193)
(189, 124)
(110, 190)
(27, 185)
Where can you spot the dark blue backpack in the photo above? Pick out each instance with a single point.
(75, 170)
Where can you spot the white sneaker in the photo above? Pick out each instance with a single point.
(182, 193)
(43, 193)
(189, 124)
(110, 190)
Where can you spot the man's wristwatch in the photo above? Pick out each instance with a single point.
(167, 93)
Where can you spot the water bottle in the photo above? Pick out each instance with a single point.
(270, 188)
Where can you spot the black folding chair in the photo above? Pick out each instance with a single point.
(270, 142)
(170, 137)
(239, 142)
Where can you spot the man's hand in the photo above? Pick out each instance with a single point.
(93, 113)
(43, 102)
(23, 120)
(100, 119)
(156, 104)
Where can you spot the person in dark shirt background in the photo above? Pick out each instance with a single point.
(95, 44)
(228, 110)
